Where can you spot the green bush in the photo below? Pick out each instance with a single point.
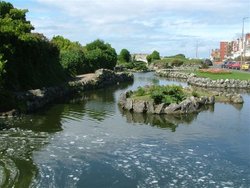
(195, 94)
(157, 96)
(177, 63)
(140, 91)
(167, 94)
(100, 55)
(124, 56)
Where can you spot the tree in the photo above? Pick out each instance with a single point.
(72, 56)
(100, 55)
(155, 55)
(149, 58)
(13, 20)
(29, 60)
(2, 69)
(124, 55)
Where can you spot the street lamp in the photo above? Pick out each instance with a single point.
(243, 41)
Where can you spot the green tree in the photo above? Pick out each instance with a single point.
(155, 55)
(30, 60)
(125, 55)
(72, 56)
(13, 20)
(2, 69)
(149, 58)
(100, 55)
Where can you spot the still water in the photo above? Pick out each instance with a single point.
(89, 142)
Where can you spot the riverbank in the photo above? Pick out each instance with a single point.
(192, 79)
(32, 100)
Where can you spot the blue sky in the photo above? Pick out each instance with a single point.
(141, 26)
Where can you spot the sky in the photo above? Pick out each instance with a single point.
(141, 26)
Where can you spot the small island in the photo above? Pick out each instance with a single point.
(172, 99)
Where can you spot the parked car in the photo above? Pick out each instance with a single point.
(235, 65)
(245, 66)
(208, 62)
(223, 65)
(229, 64)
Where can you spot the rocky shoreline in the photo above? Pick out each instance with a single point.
(32, 100)
(205, 82)
(188, 106)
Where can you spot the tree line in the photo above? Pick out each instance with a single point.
(29, 60)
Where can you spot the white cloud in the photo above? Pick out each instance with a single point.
(142, 25)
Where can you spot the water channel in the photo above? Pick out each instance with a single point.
(89, 142)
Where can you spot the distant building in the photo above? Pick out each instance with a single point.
(215, 55)
(140, 57)
(223, 50)
(247, 45)
(232, 49)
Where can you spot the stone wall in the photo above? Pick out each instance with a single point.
(33, 100)
(206, 82)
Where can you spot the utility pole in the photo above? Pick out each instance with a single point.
(196, 50)
(243, 42)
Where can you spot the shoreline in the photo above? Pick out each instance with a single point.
(33, 100)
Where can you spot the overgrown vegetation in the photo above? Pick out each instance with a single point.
(161, 94)
(155, 55)
(176, 61)
(125, 61)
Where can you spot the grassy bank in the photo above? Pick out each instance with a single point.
(230, 75)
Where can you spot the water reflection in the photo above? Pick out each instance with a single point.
(162, 121)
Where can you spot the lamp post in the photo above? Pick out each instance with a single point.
(243, 41)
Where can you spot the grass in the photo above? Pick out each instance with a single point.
(173, 94)
(234, 75)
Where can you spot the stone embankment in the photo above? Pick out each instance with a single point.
(33, 100)
(187, 106)
(206, 82)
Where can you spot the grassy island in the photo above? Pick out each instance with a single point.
(172, 99)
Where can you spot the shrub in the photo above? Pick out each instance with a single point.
(157, 96)
(140, 91)
(177, 63)
(195, 94)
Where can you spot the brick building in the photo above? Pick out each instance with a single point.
(223, 50)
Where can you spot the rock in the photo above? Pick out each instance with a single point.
(139, 106)
(172, 108)
(150, 107)
(159, 109)
(129, 104)
(211, 100)
(122, 100)
(237, 99)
